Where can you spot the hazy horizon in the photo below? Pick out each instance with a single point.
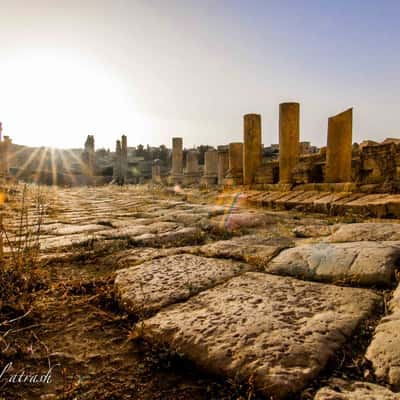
(157, 69)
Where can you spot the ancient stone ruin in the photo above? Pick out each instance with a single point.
(5, 155)
(121, 161)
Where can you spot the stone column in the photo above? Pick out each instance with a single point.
(117, 173)
(156, 172)
(89, 158)
(177, 160)
(5, 149)
(210, 167)
(223, 163)
(124, 158)
(252, 152)
(289, 140)
(235, 171)
(192, 172)
(339, 150)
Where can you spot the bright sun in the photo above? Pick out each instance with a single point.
(56, 100)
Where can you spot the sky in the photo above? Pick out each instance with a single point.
(154, 69)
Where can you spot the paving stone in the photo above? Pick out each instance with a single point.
(309, 231)
(384, 350)
(233, 220)
(58, 242)
(363, 263)
(254, 249)
(339, 389)
(139, 255)
(69, 229)
(177, 237)
(278, 330)
(148, 287)
(366, 231)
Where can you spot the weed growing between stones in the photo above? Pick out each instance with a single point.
(19, 272)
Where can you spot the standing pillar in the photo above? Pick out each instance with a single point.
(210, 167)
(89, 159)
(192, 172)
(235, 172)
(177, 160)
(339, 150)
(5, 148)
(124, 158)
(289, 140)
(117, 173)
(156, 172)
(252, 152)
(223, 163)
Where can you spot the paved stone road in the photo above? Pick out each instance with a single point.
(241, 292)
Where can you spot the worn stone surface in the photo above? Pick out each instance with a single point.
(241, 220)
(362, 263)
(67, 229)
(137, 230)
(178, 237)
(254, 249)
(161, 282)
(138, 255)
(309, 231)
(384, 350)
(280, 331)
(339, 389)
(366, 231)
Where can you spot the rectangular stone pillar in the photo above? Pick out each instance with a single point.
(235, 171)
(156, 173)
(124, 158)
(210, 167)
(339, 150)
(117, 171)
(252, 150)
(89, 159)
(223, 163)
(177, 160)
(192, 172)
(289, 140)
(5, 150)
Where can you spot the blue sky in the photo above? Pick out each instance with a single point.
(157, 69)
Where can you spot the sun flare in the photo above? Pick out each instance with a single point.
(61, 97)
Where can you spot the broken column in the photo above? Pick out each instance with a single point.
(120, 173)
(223, 163)
(89, 158)
(117, 173)
(252, 152)
(156, 172)
(177, 161)
(124, 158)
(192, 171)
(339, 150)
(210, 168)
(5, 149)
(289, 140)
(234, 175)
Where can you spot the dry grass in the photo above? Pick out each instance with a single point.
(19, 272)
